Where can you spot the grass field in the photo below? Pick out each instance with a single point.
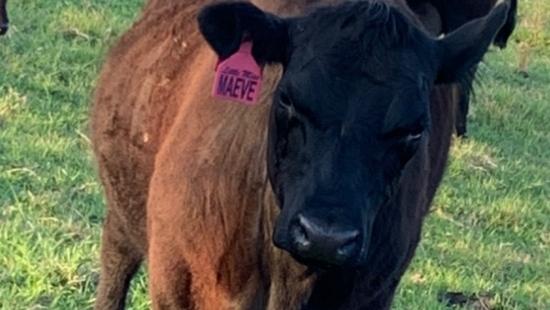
(489, 232)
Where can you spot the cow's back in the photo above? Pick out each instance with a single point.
(137, 96)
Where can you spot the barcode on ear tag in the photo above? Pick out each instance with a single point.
(239, 77)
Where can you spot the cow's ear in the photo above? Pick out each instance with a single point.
(463, 48)
(225, 26)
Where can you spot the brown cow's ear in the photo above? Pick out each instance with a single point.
(226, 25)
(464, 48)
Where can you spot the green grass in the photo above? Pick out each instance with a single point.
(489, 231)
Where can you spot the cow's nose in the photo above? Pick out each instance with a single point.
(316, 241)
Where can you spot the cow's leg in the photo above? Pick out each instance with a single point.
(461, 122)
(4, 21)
(383, 300)
(462, 112)
(120, 260)
(169, 278)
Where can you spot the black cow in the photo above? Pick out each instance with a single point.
(455, 13)
(4, 21)
(355, 140)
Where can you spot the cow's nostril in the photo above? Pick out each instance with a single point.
(300, 237)
(313, 239)
(348, 248)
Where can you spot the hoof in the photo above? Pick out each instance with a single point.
(473, 301)
(461, 132)
(524, 74)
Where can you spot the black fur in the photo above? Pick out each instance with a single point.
(501, 40)
(226, 25)
(355, 136)
(456, 13)
(459, 62)
(4, 20)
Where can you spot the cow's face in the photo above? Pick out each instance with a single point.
(349, 113)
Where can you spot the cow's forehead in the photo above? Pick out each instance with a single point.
(350, 19)
(359, 101)
(342, 67)
(350, 67)
(349, 37)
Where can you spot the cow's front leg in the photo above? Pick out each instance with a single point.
(346, 296)
(383, 300)
(169, 278)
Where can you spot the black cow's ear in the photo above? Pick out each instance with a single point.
(463, 48)
(225, 26)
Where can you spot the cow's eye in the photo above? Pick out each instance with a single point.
(414, 137)
(285, 101)
(404, 135)
(286, 104)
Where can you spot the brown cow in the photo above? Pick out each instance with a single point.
(355, 131)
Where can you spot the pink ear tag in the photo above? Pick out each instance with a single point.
(239, 77)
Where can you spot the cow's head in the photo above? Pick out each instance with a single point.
(351, 110)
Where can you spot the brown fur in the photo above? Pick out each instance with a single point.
(192, 170)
